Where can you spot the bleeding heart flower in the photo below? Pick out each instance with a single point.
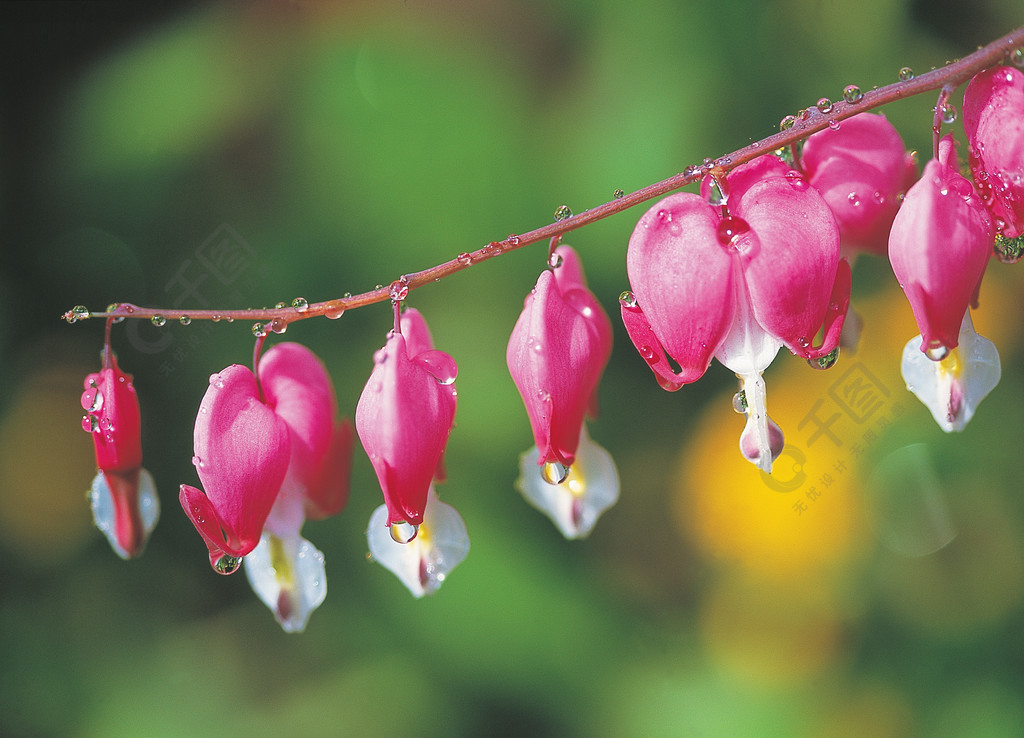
(123, 497)
(737, 282)
(285, 570)
(860, 168)
(425, 562)
(557, 352)
(994, 124)
(939, 246)
(404, 417)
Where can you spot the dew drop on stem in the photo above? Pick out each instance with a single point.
(906, 74)
(852, 94)
(562, 212)
(300, 304)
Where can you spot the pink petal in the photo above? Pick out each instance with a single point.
(403, 418)
(681, 277)
(859, 168)
(939, 246)
(330, 492)
(113, 418)
(556, 355)
(994, 124)
(242, 451)
(790, 276)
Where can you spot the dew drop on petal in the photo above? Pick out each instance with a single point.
(1008, 250)
(554, 472)
(92, 400)
(936, 351)
(906, 74)
(403, 532)
(852, 94)
(90, 424)
(300, 304)
(627, 299)
(825, 362)
(227, 564)
(562, 212)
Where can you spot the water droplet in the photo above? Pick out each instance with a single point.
(279, 325)
(948, 113)
(803, 342)
(854, 199)
(399, 289)
(105, 424)
(227, 564)
(618, 194)
(649, 354)
(259, 330)
(824, 106)
(403, 532)
(158, 320)
(833, 125)
(731, 228)
(112, 307)
(464, 259)
(300, 304)
(1017, 58)
(1009, 250)
(554, 472)
(906, 74)
(90, 423)
(78, 312)
(690, 171)
(334, 309)
(739, 402)
(562, 212)
(439, 365)
(216, 318)
(786, 123)
(92, 400)
(627, 299)
(708, 163)
(217, 381)
(852, 94)
(196, 461)
(555, 261)
(279, 306)
(827, 361)
(936, 351)
(185, 320)
(878, 197)
(512, 239)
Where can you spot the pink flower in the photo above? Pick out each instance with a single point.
(556, 355)
(404, 417)
(285, 570)
(123, 497)
(939, 246)
(994, 123)
(266, 452)
(737, 284)
(557, 352)
(860, 168)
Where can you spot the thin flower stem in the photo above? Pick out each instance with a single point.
(808, 121)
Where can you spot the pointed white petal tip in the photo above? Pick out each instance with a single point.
(102, 503)
(423, 563)
(288, 575)
(953, 388)
(574, 505)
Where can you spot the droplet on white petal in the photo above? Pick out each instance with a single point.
(761, 440)
(953, 387)
(288, 575)
(423, 563)
(102, 502)
(574, 506)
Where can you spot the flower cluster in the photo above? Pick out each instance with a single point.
(759, 260)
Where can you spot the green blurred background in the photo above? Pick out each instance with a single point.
(339, 145)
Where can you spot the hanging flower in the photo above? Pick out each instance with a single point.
(123, 497)
(557, 352)
(737, 283)
(242, 452)
(404, 417)
(423, 563)
(994, 124)
(860, 168)
(285, 570)
(939, 247)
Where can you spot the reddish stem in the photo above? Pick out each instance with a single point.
(807, 122)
